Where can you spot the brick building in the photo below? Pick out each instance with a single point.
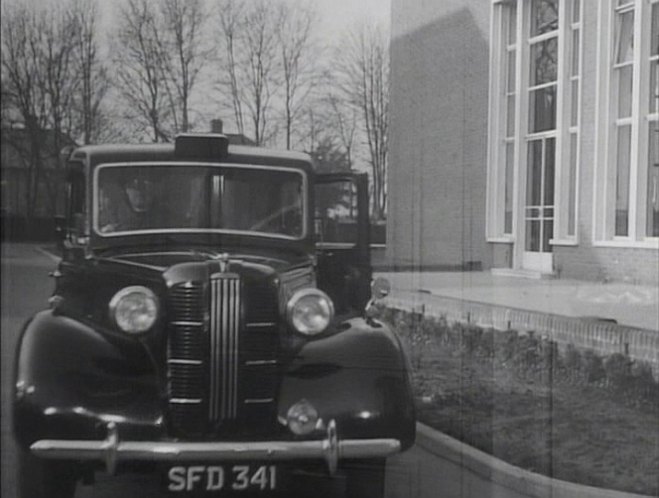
(525, 136)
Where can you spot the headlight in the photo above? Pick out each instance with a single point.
(134, 309)
(309, 311)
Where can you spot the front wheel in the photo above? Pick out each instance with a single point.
(365, 478)
(39, 478)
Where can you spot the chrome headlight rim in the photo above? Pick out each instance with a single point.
(120, 295)
(295, 299)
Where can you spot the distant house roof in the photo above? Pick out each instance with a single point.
(14, 140)
(217, 126)
(239, 139)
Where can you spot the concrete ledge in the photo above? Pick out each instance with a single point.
(506, 480)
(386, 266)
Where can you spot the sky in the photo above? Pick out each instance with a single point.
(337, 15)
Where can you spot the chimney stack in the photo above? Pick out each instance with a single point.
(216, 126)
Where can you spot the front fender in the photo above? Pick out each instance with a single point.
(71, 381)
(357, 377)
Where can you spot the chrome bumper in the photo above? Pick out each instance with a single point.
(111, 450)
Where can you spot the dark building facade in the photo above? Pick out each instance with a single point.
(32, 181)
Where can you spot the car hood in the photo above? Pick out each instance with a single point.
(228, 259)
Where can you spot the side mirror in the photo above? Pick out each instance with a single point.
(60, 230)
(80, 224)
(380, 288)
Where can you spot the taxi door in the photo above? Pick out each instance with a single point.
(342, 229)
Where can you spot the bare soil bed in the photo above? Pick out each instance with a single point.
(565, 414)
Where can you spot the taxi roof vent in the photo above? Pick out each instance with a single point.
(201, 146)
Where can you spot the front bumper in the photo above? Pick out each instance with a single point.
(112, 450)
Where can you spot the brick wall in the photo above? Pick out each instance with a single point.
(608, 264)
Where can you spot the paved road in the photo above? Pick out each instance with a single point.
(25, 290)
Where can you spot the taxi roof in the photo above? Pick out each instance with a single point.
(94, 155)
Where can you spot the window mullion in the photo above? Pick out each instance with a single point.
(636, 215)
(645, 119)
(492, 220)
(576, 127)
(543, 85)
(544, 36)
(521, 110)
(560, 220)
(606, 190)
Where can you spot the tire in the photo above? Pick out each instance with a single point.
(40, 478)
(365, 478)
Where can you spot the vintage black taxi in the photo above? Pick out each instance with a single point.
(210, 323)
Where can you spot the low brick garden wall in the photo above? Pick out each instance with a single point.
(602, 339)
(528, 354)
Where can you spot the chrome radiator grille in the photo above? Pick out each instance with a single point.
(224, 338)
(203, 352)
(222, 356)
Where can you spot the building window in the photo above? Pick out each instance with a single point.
(623, 73)
(627, 177)
(535, 81)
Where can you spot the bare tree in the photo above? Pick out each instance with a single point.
(19, 71)
(260, 46)
(57, 78)
(91, 72)
(362, 66)
(231, 19)
(59, 83)
(249, 64)
(296, 50)
(183, 21)
(313, 128)
(140, 60)
(38, 79)
(343, 120)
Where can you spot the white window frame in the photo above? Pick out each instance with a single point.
(651, 117)
(607, 125)
(566, 128)
(495, 216)
(497, 124)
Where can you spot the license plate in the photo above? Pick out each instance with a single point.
(213, 478)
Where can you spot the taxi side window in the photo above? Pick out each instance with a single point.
(336, 212)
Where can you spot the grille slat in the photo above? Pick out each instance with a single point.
(224, 336)
(185, 356)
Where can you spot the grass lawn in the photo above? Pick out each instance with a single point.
(568, 415)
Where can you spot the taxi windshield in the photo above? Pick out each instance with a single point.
(131, 199)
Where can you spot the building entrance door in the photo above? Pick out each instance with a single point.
(539, 204)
